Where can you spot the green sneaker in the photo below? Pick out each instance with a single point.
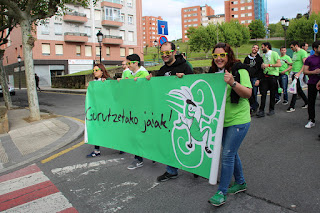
(236, 188)
(218, 199)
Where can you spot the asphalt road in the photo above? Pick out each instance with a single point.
(280, 159)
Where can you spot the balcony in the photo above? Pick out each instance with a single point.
(112, 22)
(75, 17)
(111, 3)
(75, 37)
(110, 39)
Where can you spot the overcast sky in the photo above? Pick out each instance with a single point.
(170, 10)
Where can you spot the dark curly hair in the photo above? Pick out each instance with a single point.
(231, 57)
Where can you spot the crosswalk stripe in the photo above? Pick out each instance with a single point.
(22, 182)
(51, 203)
(27, 194)
(22, 172)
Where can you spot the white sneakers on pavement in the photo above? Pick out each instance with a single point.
(310, 124)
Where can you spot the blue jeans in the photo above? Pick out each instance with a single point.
(172, 170)
(231, 163)
(283, 81)
(254, 99)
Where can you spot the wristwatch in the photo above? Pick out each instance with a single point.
(233, 84)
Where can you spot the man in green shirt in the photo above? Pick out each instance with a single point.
(270, 66)
(298, 58)
(283, 75)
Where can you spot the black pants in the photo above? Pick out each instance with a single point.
(300, 92)
(268, 83)
(312, 96)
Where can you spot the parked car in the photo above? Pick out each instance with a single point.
(11, 90)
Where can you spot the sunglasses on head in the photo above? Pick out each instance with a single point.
(222, 55)
(96, 70)
(131, 62)
(166, 52)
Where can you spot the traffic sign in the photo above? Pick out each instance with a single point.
(162, 40)
(162, 27)
(315, 27)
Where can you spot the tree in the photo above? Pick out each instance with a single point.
(257, 29)
(26, 13)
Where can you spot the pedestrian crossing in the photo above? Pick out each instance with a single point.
(29, 190)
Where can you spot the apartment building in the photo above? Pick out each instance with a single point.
(314, 6)
(68, 44)
(245, 10)
(217, 19)
(150, 30)
(193, 17)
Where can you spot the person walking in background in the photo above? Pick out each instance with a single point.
(100, 74)
(173, 65)
(254, 60)
(298, 58)
(36, 77)
(312, 69)
(305, 47)
(284, 71)
(126, 73)
(270, 66)
(236, 121)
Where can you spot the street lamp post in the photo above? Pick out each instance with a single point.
(100, 37)
(285, 25)
(156, 44)
(19, 62)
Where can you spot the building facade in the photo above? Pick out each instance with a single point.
(193, 17)
(314, 6)
(245, 11)
(217, 19)
(150, 30)
(68, 44)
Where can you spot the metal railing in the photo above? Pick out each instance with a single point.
(113, 1)
(112, 36)
(75, 13)
(75, 34)
(110, 18)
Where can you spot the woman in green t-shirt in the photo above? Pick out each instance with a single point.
(236, 122)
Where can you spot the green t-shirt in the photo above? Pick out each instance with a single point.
(271, 57)
(284, 65)
(141, 73)
(239, 113)
(297, 60)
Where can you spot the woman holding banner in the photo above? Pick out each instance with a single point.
(100, 74)
(236, 122)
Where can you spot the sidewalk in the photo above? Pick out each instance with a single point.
(28, 141)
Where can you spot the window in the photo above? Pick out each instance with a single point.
(130, 36)
(97, 51)
(242, 8)
(122, 52)
(195, 25)
(87, 12)
(121, 2)
(130, 19)
(131, 51)
(235, 9)
(112, 14)
(59, 49)
(242, 1)
(97, 15)
(122, 18)
(235, 2)
(108, 51)
(88, 31)
(45, 49)
(242, 22)
(249, 14)
(129, 3)
(236, 16)
(249, 21)
(249, 7)
(88, 50)
(45, 28)
(122, 34)
(78, 50)
(242, 15)
(58, 28)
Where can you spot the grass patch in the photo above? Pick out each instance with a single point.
(87, 72)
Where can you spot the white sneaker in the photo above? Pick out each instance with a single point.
(309, 125)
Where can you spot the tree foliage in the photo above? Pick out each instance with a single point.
(205, 38)
(257, 29)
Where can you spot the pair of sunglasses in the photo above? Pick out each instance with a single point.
(96, 70)
(131, 62)
(166, 52)
(222, 55)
